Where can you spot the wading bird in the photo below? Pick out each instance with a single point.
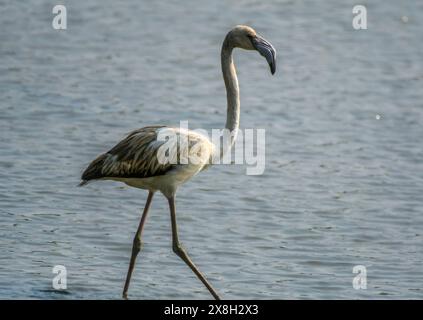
(135, 160)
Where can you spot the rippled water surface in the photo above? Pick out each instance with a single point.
(343, 115)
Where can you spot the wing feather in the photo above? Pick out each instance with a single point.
(133, 157)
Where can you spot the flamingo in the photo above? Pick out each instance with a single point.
(135, 160)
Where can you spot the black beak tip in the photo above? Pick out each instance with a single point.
(272, 66)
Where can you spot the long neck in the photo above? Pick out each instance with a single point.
(232, 89)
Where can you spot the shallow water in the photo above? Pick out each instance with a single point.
(341, 188)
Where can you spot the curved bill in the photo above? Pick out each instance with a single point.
(266, 49)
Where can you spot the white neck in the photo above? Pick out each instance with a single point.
(232, 90)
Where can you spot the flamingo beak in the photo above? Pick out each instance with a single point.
(266, 49)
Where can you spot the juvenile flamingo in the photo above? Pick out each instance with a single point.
(136, 161)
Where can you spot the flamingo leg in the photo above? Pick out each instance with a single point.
(137, 244)
(182, 253)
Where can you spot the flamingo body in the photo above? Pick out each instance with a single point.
(136, 160)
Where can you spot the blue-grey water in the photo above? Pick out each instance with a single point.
(343, 182)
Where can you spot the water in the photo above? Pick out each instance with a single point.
(341, 188)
